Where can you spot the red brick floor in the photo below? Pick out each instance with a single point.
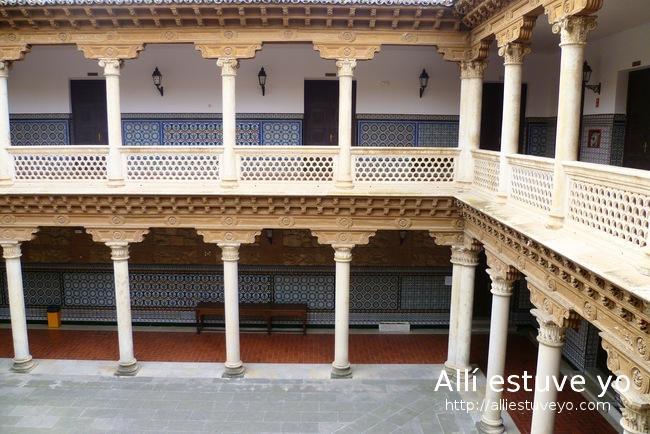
(312, 348)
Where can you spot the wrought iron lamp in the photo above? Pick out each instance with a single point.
(586, 76)
(261, 78)
(424, 81)
(157, 80)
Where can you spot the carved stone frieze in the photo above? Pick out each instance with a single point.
(110, 50)
(233, 51)
(346, 51)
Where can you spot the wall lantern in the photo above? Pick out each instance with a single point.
(261, 78)
(424, 81)
(157, 80)
(586, 76)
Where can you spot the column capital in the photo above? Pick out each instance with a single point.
(343, 239)
(5, 66)
(11, 250)
(550, 333)
(346, 51)
(463, 255)
(573, 29)
(116, 237)
(472, 68)
(229, 252)
(501, 274)
(228, 65)
(111, 66)
(110, 51)
(228, 237)
(635, 410)
(345, 67)
(342, 254)
(513, 53)
(119, 251)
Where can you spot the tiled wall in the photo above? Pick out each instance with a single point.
(407, 130)
(165, 294)
(43, 130)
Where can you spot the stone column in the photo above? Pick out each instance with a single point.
(22, 361)
(502, 278)
(230, 257)
(551, 339)
(635, 410)
(573, 35)
(228, 167)
(114, 120)
(128, 365)
(469, 122)
(345, 72)
(6, 162)
(341, 365)
(513, 54)
(464, 258)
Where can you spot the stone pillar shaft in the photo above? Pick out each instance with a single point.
(22, 361)
(128, 364)
(230, 256)
(229, 122)
(341, 365)
(345, 73)
(453, 316)
(6, 162)
(114, 120)
(469, 123)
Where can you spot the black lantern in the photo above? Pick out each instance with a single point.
(157, 80)
(261, 78)
(586, 76)
(424, 81)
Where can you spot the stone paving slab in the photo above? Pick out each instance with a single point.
(372, 402)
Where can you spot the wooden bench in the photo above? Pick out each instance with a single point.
(263, 311)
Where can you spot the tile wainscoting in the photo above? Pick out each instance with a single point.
(407, 130)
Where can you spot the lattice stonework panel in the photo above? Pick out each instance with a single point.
(404, 168)
(60, 167)
(287, 168)
(177, 167)
(614, 211)
(486, 174)
(532, 187)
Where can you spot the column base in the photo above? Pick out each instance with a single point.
(489, 428)
(129, 369)
(5, 182)
(554, 222)
(344, 184)
(228, 183)
(454, 371)
(116, 183)
(502, 198)
(341, 372)
(23, 366)
(233, 372)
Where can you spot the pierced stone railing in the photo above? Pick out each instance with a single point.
(611, 200)
(49, 163)
(164, 163)
(408, 165)
(286, 164)
(531, 181)
(486, 170)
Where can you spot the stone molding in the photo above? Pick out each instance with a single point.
(574, 30)
(346, 52)
(513, 53)
(472, 69)
(228, 237)
(229, 51)
(343, 239)
(345, 67)
(111, 51)
(550, 333)
(117, 237)
(228, 65)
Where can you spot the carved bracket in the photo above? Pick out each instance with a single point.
(338, 51)
(558, 309)
(560, 9)
(110, 51)
(228, 237)
(631, 364)
(9, 52)
(111, 236)
(475, 52)
(343, 239)
(17, 234)
(519, 31)
(234, 51)
(498, 269)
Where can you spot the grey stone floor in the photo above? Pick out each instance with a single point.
(93, 403)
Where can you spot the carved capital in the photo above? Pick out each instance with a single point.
(111, 66)
(626, 362)
(573, 30)
(342, 254)
(343, 239)
(13, 51)
(472, 68)
(339, 52)
(554, 307)
(345, 67)
(228, 65)
(110, 51)
(229, 252)
(502, 275)
(231, 51)
(550, 333)
(119, 251)
(223, 237)
(513, 53)
(17, 234)
(635, 410)
(113, 237)
(519, 31)
(10, 249)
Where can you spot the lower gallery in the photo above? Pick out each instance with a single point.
(316, 216)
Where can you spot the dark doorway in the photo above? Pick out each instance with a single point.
(321, 123)
(492, 116)
(636, 153)
(88, 99)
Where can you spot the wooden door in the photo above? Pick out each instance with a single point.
(88, 99)
(636, 152)
(321, 121)
(492, 116)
